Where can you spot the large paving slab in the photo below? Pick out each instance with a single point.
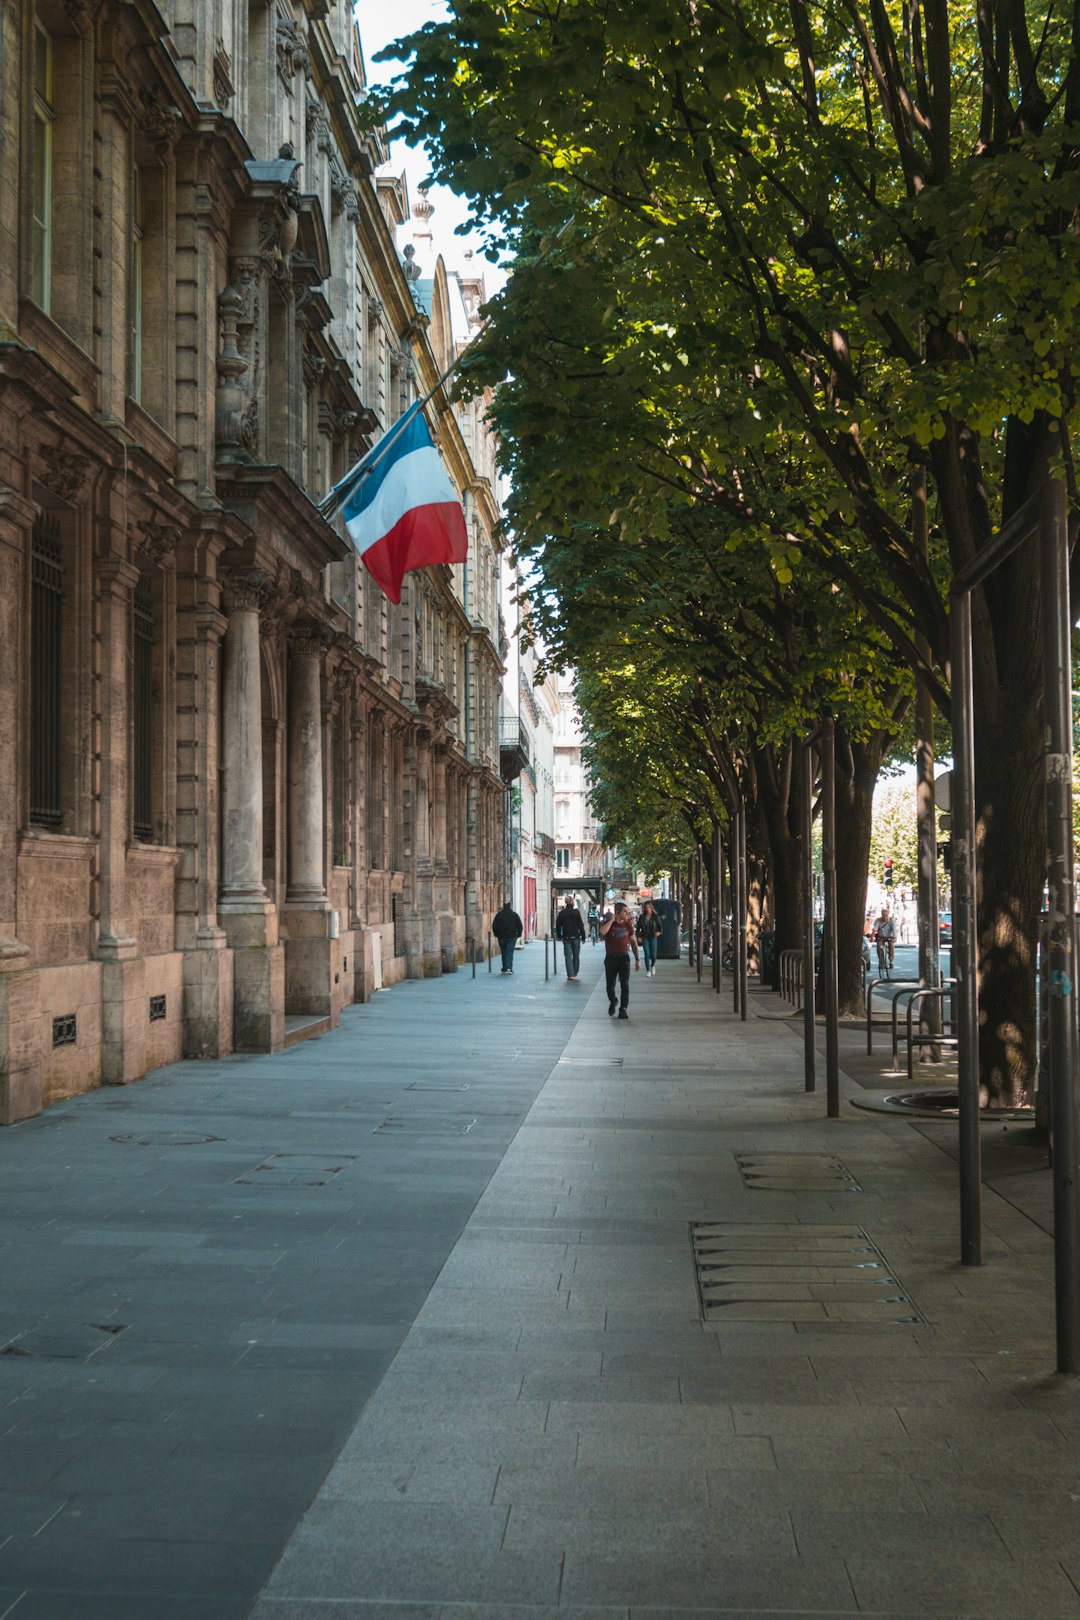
(205, 1276)
(562, 1433)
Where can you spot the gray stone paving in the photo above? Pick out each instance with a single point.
(461, 1328)
(561, 1434)
(204, 1277)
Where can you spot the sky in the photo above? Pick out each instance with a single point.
(381, 22)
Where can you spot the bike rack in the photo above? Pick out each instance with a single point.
(935, 1040)
(791, 963)
(901, 984)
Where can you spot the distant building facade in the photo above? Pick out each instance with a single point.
(530, 708)
(240, 788)
(579, 848)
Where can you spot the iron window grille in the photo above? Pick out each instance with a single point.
(157, 1008)
(142, 713)
(64, 1030)
(46, 671)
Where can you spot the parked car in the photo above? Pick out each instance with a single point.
(944, 927)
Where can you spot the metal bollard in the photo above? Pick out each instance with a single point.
(472, 954)
(545, 958)
(489, 955)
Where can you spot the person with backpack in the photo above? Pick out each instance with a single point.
(571, 930)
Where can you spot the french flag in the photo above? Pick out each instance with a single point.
(403, 512)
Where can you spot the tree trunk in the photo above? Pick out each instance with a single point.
(858, 765)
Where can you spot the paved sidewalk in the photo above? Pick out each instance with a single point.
(204, 1276)
(445, 1253)
(862, 1426)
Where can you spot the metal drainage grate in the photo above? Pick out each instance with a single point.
(795, 1273)
(423, 1085)
(393, 1123)
(294, 1170)
(795, 1172)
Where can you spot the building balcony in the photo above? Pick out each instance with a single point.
(514, 750)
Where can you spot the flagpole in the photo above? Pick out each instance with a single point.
(331, 503)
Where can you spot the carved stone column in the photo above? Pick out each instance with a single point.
(123, 1011)
(244, 909)
(306, 812)
(242, 889)
(312, 946)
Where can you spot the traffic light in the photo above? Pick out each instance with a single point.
(888, 874)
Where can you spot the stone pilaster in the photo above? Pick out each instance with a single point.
(244, 910)
(208, 966)
(312, 955)
(123, 979)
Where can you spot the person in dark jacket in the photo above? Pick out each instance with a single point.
(508, 928)
(571, 930)
(649, 929)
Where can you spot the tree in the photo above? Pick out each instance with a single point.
(866, 221)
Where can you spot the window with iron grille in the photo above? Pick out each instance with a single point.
(46, 672)
(142, 712)
(340, 796)
(399, 925)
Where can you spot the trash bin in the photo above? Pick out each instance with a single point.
(670, 942)
(770, 963)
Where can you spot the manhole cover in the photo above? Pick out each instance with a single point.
(165, 1139)
(59, 1341)
(784, 1272)
(795, 1172)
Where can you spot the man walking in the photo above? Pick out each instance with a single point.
(571, 930)
(507, 927)
(617, 933)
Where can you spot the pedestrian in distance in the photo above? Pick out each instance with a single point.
(594, 922)
(649, 928)
(571, 930)
(508, 928)
(619, 937)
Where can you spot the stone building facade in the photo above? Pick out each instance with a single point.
(239, 789)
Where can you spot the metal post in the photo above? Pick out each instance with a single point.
(699, 893)
(809, 1025)
(828, 941)
(965, 937)
(717, 907)
(488, 947)
(733, 869)
(744, 906)
(1060, 964)
(472, 954)
(545, 958)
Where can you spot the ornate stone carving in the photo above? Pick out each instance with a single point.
(246, 587)
(292, 55)
(157, 540)
(160, 122)
(410, 266)
(224, 89)
(375, 312)
(314, 368)
(64, 472)
(234, 429)
(343, 194)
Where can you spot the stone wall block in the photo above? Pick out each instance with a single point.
(124, 1018)
(259, 999)
(21, 1035)
(208, 990)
